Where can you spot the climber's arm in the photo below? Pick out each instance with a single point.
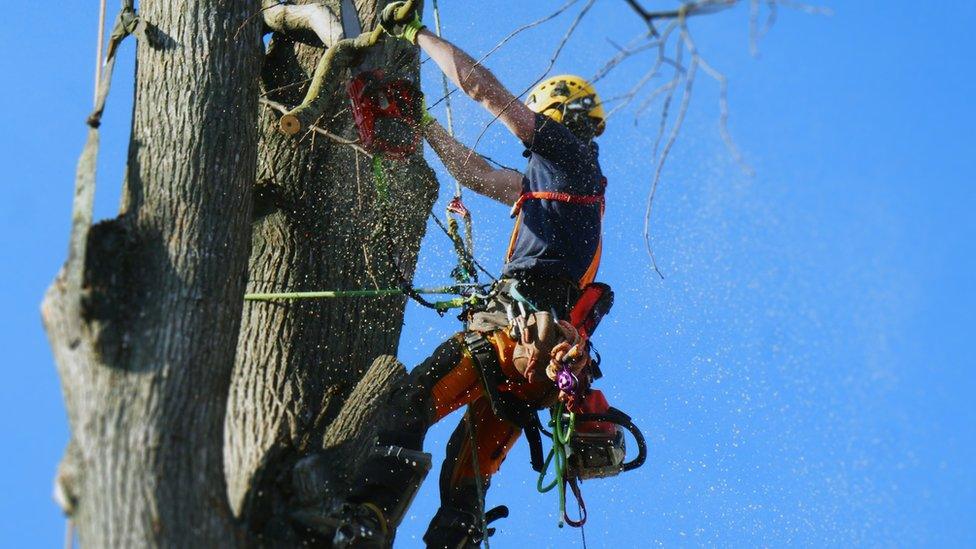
(479, 84)
(471, 170)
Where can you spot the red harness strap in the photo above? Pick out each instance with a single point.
(582, 199)
(558, 197)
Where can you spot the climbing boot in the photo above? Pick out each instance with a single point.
(390, 479)
(388, 483)
(453, 529)
(361, 526)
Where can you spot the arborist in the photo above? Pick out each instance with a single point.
(505, 365)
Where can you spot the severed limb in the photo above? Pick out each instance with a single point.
(343, 54)
(313, 24)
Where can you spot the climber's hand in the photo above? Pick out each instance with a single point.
(565, 367)
(401, 20)
(571, 351)
(567, 354)
(551, 370)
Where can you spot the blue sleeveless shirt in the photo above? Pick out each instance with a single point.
(557, 239)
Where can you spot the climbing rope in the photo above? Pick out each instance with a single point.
(558, 457)
(456, 206)
(447, 100)
(464, 272)
(379, 178)
(447, 231)
(99, 49)
(467, 295)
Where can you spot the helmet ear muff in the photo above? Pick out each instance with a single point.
(581, 124)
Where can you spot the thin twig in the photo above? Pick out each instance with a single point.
(672, 138)
(552, 63)
(661, 60)
(649, 100)
(508, 37)
(622, 55)
(286, 87)
(723, 122)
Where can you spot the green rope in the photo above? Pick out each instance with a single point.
(560, 440)
(379, 176)
(439, 306)
(348, 293)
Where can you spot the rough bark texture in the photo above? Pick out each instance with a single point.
(318, 484)
(174, 441)
(145, 350)
(317, 225)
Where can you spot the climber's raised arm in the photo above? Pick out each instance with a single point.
(475, 80)
(479, 84)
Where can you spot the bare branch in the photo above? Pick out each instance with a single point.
(701, 7)
(623, 54)
(552, 62)
(672, 138)
(345, 53)
(301, 20)
(723, 107)
(681, 73)
(508, 37)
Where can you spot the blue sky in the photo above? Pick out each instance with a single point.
(803, 373)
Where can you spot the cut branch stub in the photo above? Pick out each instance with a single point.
(344, 54)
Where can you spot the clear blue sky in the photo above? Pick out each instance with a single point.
(804, 373)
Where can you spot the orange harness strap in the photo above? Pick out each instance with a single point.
(583, 199)
(558, 197)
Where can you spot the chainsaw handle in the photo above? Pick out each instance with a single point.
(615, 416)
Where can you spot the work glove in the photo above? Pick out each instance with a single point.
(566, 362)
(401, 20)
(540, 333)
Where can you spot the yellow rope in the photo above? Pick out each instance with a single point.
(468, 416)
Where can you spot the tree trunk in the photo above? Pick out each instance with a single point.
(317, 225)
(171, 436)
(145, 347)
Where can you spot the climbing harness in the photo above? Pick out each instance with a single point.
(579, 199)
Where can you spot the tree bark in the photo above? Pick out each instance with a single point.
(317, 225)
(174, 441)
(145, 346)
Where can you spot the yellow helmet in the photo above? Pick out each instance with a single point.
(551, 97)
